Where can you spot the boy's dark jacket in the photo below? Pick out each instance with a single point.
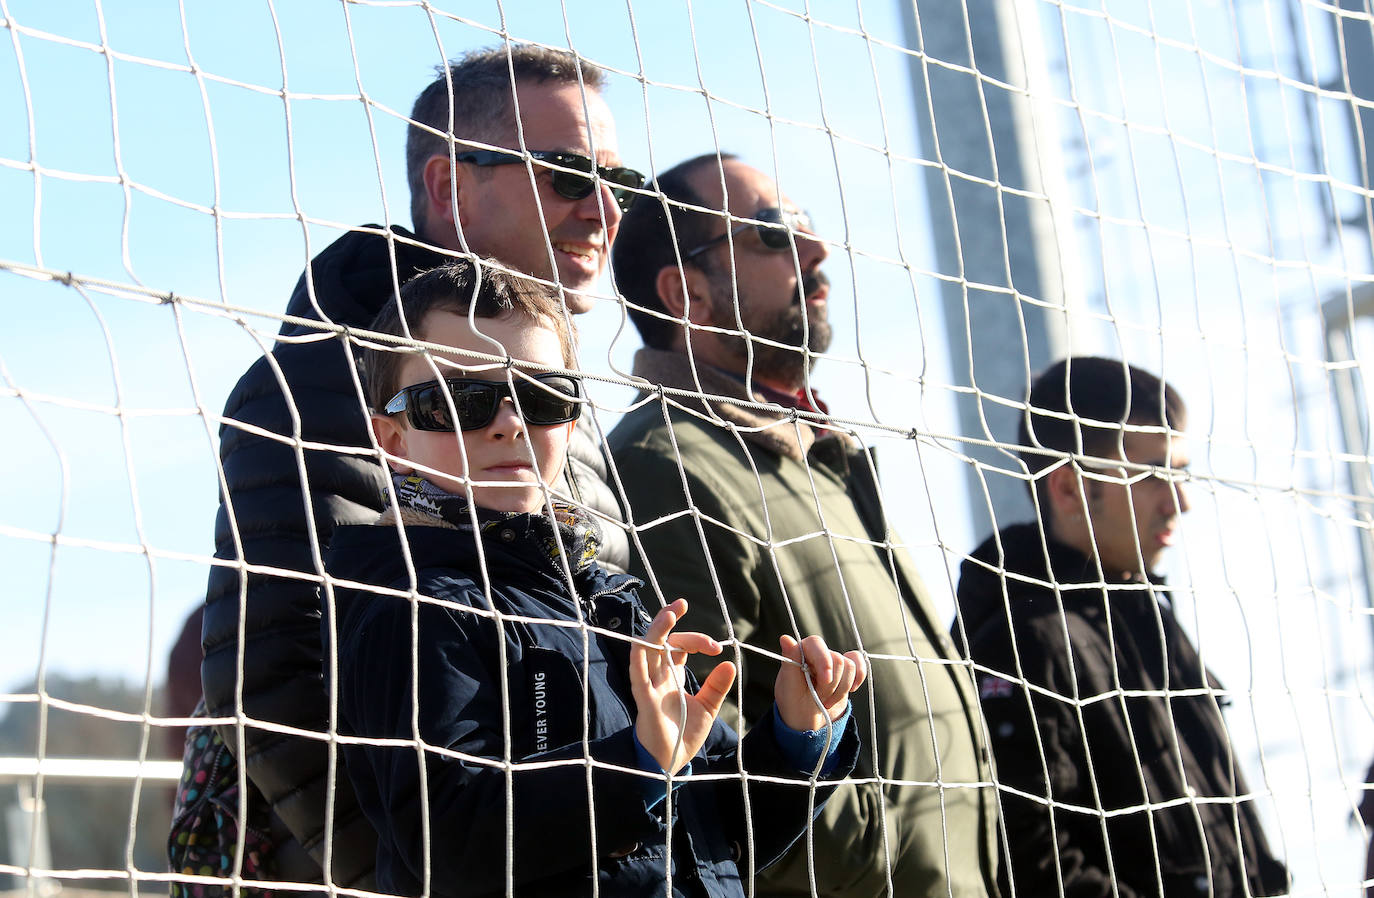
(1142, 747)
(463, 708)
(263, 518)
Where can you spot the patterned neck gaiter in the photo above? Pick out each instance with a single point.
(578, 532)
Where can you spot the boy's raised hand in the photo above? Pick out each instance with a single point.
(833, 676)
(657, 679)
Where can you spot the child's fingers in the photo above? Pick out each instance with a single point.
(845, 674)
(716, 687)
(693, 643)
(643, 661)
(860, 668)
(818, 659)
(639, 669)
(831, 688)
(664, 621)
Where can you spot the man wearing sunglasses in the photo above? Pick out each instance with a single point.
(769, 524)
(546, 199)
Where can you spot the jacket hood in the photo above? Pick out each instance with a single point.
(351, 279)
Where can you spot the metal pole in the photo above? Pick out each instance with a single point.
(1340, 314)
(1006, 309)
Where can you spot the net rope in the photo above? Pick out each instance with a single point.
(1185, 152)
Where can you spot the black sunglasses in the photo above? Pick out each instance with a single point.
(774, 226)
(543, 399)
(571, 173)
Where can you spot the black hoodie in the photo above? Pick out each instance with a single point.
(1105, 709)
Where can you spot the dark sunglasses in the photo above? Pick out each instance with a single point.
(571, 174)
(774, 226)
(543, 399)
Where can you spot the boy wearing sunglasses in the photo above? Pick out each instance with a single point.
(552, 213)
(547, 704)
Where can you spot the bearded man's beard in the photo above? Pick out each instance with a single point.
(785, 364)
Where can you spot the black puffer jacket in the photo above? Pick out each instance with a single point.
(534, 693)
(265, 522)
(1133, 745)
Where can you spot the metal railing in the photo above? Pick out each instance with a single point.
(23, 812)
(15, 769)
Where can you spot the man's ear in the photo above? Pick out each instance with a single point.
(440, 195)
(685, 288)
(1064, 486)
(391, 436)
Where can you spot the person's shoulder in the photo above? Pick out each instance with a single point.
(313, 376)
(424, 557)
(1032, 611)
(392, 605)
(664, 470)
(650, 420)
(697, 445)
(639, 427)
(585, 450)
(1005, 587)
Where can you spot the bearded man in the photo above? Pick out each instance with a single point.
(770, 524)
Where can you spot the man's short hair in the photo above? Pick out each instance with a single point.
(644, 246)
(1082, 405)
(485, 288)
(483, 104)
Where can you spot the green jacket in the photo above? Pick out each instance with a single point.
(767, 530)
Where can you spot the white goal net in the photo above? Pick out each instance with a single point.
(1181, 184)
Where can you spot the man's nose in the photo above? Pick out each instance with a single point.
(811, 252)
(590, 209)
(1180, 498)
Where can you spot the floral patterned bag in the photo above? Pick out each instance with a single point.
(205, 825)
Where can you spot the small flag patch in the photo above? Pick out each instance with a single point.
(995, 687)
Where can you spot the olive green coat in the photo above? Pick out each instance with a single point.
(767, 530)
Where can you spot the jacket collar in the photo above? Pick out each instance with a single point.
(780, 432)
(1024, 554)
(423, 503)
(1036, 567)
